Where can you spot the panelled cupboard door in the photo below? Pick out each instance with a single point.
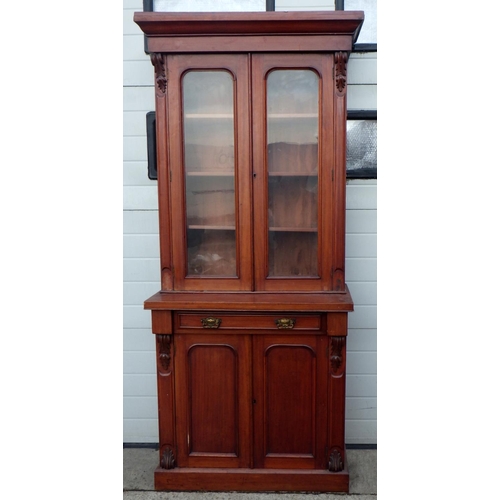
(213, 400)
(292, 105)
(209, 170)
(290, 401)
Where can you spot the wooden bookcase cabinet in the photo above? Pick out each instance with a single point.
(251, 318)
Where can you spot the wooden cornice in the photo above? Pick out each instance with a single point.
(319, 25)
(250, 23)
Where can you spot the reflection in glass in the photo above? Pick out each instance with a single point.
(208, 117)
(292, 163)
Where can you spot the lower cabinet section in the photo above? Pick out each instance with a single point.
(251, 411)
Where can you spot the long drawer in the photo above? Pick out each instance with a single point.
(197, 322)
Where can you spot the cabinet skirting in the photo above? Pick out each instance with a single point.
(251, 480)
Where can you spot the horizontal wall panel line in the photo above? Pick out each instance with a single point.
(142, 419)
(147, 282)
(139, 397)
(151, 233)
(151, 417)
(141, 258)
(142, 352)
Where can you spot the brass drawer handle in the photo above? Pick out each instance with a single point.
(285, 323)
(211, 322)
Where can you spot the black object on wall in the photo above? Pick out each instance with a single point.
(151, 135)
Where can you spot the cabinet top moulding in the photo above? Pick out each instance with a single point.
(182, 32)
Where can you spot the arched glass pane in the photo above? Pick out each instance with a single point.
(292, 166)
(208, 118)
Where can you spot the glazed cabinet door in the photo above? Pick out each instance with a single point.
(213, 400)
(290, 401)
(293, 170)
(209, 170)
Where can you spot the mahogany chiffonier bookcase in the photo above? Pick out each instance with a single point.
(251, 318)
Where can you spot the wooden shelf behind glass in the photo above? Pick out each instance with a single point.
(294, 229)
(211, 173)
(211, 227)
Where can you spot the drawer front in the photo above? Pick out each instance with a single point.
(211, 321)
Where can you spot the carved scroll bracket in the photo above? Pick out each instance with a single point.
(158, 62)
(341, 71)
(165, 348)
(337, 345)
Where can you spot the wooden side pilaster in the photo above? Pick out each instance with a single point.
(161, 87)
(339, 171)
(337, 333)
(162, 327)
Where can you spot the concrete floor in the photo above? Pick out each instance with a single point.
(139, 465)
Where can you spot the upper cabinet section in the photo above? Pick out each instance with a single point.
(251, 132)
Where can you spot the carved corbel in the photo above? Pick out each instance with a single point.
(158, 61)
(165, 348)
(341, 71)
(336, 355)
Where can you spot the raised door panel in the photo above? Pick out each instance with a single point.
(213, 400)
(209, 162)
(290, 379)
(292, 99)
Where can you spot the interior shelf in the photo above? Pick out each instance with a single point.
(294, 229)
(293, 174)
(211, 227)
(216, 173)
(292, 115)
(210, 173)
(204, 116)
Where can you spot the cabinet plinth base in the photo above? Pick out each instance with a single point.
(246, 480)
